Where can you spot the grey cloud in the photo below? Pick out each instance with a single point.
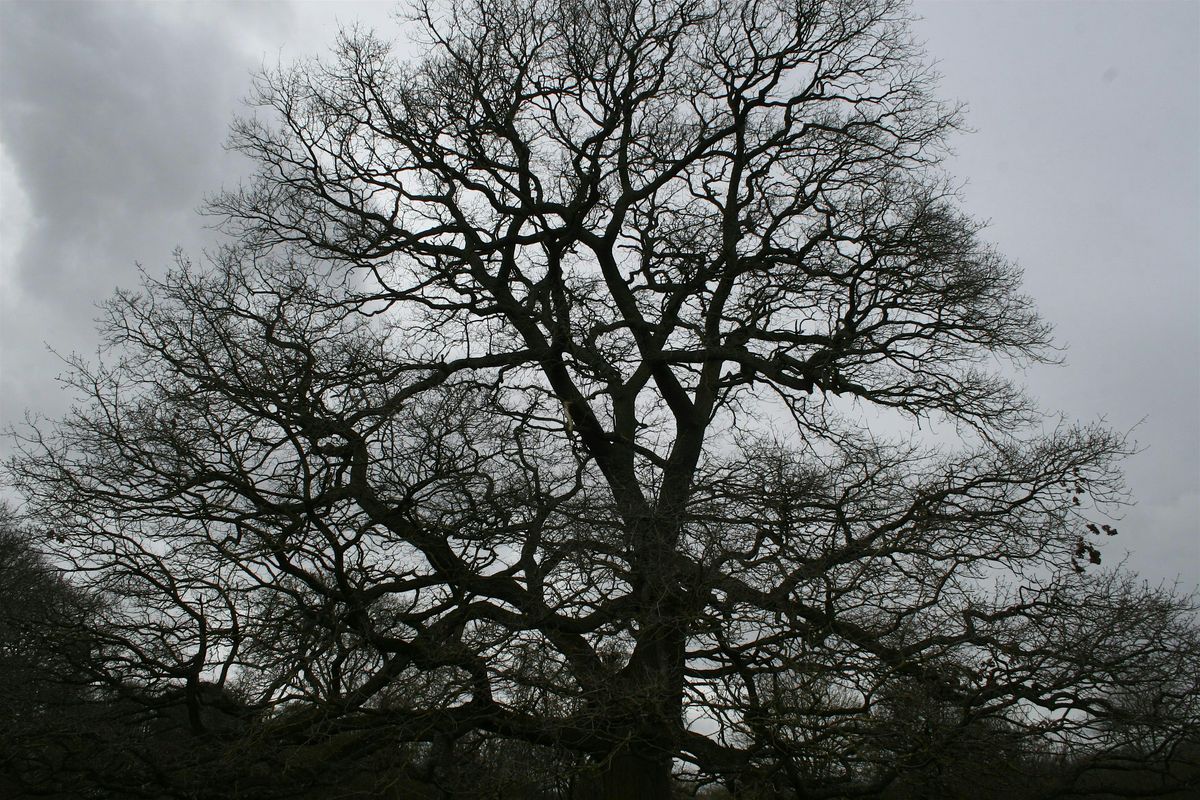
(112, 118)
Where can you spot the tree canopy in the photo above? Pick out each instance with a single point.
(541, 401)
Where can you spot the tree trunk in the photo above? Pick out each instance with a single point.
(626, 775)
(646, 703)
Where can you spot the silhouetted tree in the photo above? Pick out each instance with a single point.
(541, 400)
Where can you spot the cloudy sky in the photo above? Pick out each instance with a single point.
(1084, 159)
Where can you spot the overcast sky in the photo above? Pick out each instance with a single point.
(1085, 159)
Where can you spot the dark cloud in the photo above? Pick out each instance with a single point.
(114, 121)
(112, 118)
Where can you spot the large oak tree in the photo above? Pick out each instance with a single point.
(542, 398)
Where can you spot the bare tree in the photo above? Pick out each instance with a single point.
(540, 400)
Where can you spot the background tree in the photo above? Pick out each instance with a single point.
(540, 401)
(43, 656)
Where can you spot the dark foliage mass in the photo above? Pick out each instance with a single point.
(530, 440)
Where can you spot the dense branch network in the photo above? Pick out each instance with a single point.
(480, 427)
